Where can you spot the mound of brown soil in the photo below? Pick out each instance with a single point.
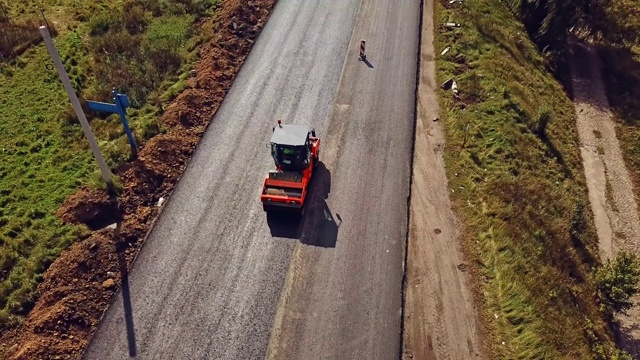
(73, 298)
(96, 209)
(80, 284)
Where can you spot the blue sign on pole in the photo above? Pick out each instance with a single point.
(120, 108)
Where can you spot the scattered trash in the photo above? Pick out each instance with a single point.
(447, 84)
(495, 316)
(160, 201)
(455, 1)
(111, 274)
(446, 50)
(451, 84)
(436, 118)
(452, 25)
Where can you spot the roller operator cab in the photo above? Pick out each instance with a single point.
(295, 152)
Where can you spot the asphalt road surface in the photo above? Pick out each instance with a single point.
(214, 272)
(346, 302)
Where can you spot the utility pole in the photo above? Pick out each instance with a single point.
(45, 19)
(106, 173)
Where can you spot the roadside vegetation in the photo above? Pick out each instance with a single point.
(518, 184)
(143, 48)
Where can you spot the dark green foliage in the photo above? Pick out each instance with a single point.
(617, 282)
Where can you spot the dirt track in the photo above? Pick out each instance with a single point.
(609, 185)
(440, 318)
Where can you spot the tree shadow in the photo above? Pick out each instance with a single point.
(619, 70)
(585, 67)
(627, 341)
(621, 75)
(317, 226)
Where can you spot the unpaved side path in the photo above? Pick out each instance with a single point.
(609, 185)
(440, 320)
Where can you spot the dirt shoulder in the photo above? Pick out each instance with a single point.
(79, 286)
(440, 319)
(609, 184)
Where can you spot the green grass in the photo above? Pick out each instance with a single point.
(519, 189)
(39, 168)
(44, 156)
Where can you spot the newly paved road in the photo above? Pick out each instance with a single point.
(208, 282)
(345, 302)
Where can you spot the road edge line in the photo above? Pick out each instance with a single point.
(405, 262)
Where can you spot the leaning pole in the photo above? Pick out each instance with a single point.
(106, 173)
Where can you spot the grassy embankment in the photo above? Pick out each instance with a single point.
(518, 186)
(145, 52)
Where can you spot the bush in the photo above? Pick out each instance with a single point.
(136, 63)
(116, 44)
(617, 282)
(164, 40)
(103, 22)
(135, 19)
(202, 8)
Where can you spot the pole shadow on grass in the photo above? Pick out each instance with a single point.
(121, 246)
(317, 226)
